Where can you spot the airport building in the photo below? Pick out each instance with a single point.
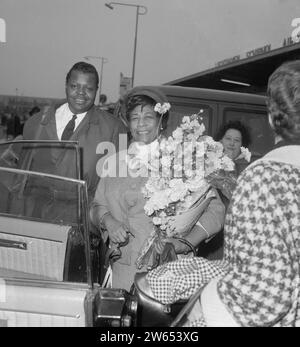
(247, 73)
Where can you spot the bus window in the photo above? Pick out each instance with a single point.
(178, 111)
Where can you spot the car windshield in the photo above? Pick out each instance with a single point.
(43, 219)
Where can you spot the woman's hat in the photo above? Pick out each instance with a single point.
(153, 92)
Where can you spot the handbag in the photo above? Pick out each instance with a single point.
(151, 312)
(169, 254)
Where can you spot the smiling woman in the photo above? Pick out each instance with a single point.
(235, 139)
(118, 207)
(144, 122)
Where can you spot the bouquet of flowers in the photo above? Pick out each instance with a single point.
(181, 170)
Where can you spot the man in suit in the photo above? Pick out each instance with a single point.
(76, 120)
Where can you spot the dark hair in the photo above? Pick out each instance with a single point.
(84, 68)
(34, 110)
(283, 100)
(143, 100)
(237, 125)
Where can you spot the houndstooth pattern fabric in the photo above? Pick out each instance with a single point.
(198, 323)
(181, 278)
(262, 247)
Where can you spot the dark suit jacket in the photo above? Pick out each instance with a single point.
(96, 127)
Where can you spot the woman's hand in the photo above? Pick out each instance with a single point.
(180, 247)
(117, 231)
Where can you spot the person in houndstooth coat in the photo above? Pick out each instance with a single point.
(261, 286)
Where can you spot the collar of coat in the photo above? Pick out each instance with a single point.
(285, 154)
(49, 113)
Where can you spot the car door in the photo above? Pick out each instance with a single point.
(47, 276)
(35, 261)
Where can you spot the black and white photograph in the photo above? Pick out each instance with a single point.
(149, 166)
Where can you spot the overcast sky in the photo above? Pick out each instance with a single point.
(44, 38)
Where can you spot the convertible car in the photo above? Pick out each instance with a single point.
(50, 264)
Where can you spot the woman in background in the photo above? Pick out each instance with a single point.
(235, 139)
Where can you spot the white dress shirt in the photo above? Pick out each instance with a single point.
(62, 117)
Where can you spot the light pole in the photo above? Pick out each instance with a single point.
(17, 99)
(103, 61)
(140, 10)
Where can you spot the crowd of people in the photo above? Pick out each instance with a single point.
(11, 125)
(260, 285)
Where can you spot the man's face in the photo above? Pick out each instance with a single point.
(81, 90)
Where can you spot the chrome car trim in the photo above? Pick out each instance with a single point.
(13, 244)
(76, 316)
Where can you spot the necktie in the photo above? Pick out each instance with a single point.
(69, 129)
